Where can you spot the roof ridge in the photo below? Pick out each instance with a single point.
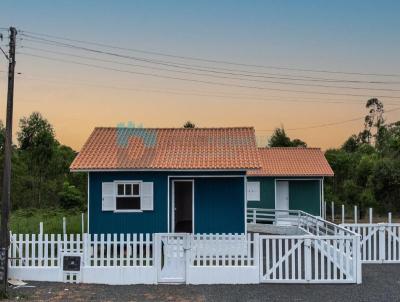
(177, 128)
(295, 148)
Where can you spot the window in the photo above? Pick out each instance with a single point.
(128, 196)
(253, 191)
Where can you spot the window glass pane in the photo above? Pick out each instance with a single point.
(128, 203)
(120, 189)
(135, 189)
(128, 189)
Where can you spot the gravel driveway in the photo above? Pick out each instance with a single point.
(381, 282)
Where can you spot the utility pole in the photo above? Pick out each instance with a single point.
(5, 197)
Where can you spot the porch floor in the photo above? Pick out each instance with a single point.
(272, 229)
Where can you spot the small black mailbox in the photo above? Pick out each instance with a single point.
(72, 263)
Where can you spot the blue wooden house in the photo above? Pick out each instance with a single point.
(289, 179)
(167, 180)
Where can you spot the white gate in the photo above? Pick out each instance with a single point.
(171, 257)
(380, 242)
(309, 259)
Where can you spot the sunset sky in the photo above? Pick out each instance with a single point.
(275, 41)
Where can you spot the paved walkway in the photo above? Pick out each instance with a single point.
(381, 282)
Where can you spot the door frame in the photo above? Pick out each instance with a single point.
(173, 203)
(288, 188)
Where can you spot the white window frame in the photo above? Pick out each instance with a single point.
(126, 182)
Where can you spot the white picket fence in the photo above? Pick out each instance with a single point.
(380, 242)
(327, 253)
(224, 250)
(131, 258)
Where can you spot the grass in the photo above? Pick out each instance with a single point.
(26, 221)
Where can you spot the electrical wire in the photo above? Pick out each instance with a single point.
(202, 81)
(195, 67)
(215, 61)
(208, 75)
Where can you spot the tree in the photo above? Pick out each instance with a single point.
(385, 181)
(37, 145)
(374, 119)
(189, 124)
(280, 139)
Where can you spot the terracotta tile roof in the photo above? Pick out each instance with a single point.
(292, 162)
(169, 148)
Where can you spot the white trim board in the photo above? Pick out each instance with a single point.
(88, 201)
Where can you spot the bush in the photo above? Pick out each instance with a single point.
(70, 197)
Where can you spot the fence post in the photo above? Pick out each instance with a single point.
(342, 213)
(357, 259)
(382, 243)
(254, 216)
(41, 227)
(390, 217)
(370, 215)
(256, 249)
(64, 225)
(355, 214)
(307, 259)
(86, 250)
(333, 211)
(83, 223)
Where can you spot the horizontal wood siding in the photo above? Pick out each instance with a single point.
(219, 205)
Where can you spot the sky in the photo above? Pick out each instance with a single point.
(274, 45)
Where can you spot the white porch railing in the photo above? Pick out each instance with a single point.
(311, 224)
(380, 242)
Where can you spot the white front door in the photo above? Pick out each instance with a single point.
(282, 201)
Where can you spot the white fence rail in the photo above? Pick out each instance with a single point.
(380, 242)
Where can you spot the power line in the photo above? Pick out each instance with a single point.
(216, 61)
(201, 68)
(328, 124)
(208, 75)
(203, 81)
(183, 92)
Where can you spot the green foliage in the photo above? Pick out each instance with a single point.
(280, 139)
(71, 197)
(367, 174)
(189, 124)
(40, 168)
(26, 221)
